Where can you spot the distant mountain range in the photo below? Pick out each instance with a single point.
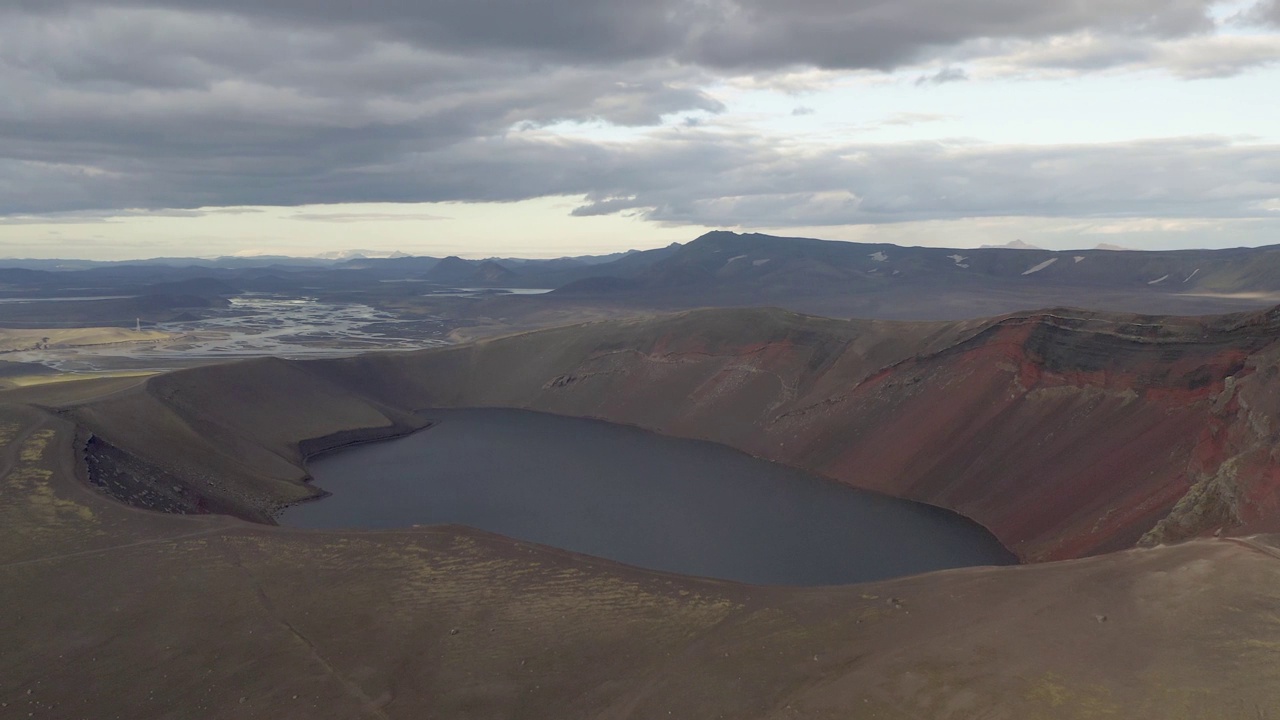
(723, 258)
(889, 281)
(1014, 245)
(344, 258)
(730, 269)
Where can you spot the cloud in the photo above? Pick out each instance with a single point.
(1192, 58)
(727, 34)
(801, 110)
(1265, 12)
(1148, 225)
(754, 184)
(89, 217)
(720, 178)
(945, 75)
(98, 77)
(232, 211)
(882, 34)
(340, 217)
(1080, 53)
(193, 104)
(908, 119)
(324, 108)
(1088, 52)
(1213, 57)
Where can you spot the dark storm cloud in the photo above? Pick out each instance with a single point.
(884, 34)
(321, 107)
(585, 29)
(757, 34)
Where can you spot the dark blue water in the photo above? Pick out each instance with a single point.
(621, 493)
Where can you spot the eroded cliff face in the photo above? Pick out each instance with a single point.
(1065, 439)
(1065, 433)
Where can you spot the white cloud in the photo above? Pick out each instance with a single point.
(943, 76)
(1190, 58)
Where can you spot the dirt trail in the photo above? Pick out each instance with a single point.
(104, 550)
(1255, 544)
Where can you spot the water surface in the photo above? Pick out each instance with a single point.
(640, 498)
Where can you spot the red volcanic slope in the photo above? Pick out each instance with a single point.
(1064, 442)
(1066, 433)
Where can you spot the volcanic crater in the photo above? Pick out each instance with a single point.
(1100, 438)
(1066, 433)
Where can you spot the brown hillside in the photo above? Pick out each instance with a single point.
(113, 611)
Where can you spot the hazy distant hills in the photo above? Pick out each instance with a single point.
(720, 264)
(454, 270)
(719, 260)
(840, 279)
(722, 259)
(879, 280)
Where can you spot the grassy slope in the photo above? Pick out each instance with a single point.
(230, 433)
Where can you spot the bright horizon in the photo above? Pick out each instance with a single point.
(339, 254)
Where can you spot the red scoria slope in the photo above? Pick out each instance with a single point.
(1065, 433)
(1065, 436)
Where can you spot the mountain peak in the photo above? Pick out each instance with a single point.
(714, 236)
(1013, 245)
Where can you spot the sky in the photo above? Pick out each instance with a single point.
(541, 128)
